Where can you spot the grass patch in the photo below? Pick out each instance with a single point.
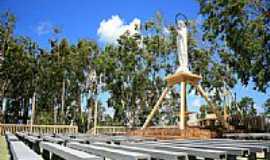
(3, 149)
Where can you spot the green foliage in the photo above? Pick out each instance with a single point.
(239, 33)
(244, 108)
(247, 106)
(26, 68)
(266, 106)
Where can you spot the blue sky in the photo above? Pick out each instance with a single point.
(82, 19)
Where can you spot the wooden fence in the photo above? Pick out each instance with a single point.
(249, 124)
(38, 128)
(109, 130)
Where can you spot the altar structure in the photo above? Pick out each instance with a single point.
(182, 76)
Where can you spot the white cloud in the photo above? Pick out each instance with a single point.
(110, 30)
(44, 28)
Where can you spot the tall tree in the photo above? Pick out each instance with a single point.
(266, 106)
(247, 107)
(240, 34)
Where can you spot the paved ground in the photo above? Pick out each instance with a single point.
(3, 149)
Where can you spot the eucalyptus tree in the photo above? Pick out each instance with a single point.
(122, 75)
(18, 67)
(134, 71)
(239, 33)
(47, 88)
(81, 79)
(266, 107)
(7, 24)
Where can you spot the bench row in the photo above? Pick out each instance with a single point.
(171, 149)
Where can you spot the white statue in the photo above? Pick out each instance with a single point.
(182, 47)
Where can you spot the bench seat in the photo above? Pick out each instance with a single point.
(67, 153)
(117, 154)
(155, 153)
(20, 151)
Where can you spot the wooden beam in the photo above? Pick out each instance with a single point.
(182, 110)
(205, 96)
(150, 116)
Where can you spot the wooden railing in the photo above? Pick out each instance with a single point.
(110, 130)
(38, 128)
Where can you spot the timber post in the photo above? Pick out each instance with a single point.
(151, 115)
(182, 110)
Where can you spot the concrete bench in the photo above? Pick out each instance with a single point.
(253, 149)
(265, 136)
(72, 139)
(191, 152)
(20, 151)
(54, 140)
(56, 150)
(125, 139)
(154, 153)
(105, 139)
(78, 140)
(33, 142)
(115, 154)
(232, 147)
(21, 135)
(11, 137)
(231, 151)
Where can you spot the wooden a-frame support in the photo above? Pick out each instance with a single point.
(183, 78)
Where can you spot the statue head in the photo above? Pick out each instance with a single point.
(181, 25)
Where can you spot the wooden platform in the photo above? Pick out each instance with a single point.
(183, 77)
(174, 133)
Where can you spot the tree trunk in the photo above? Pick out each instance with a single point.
(90, 117)
(95, 117)
(25, 111)
(79, 101)
(55, 111)
(63, 101)
(33, 110)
